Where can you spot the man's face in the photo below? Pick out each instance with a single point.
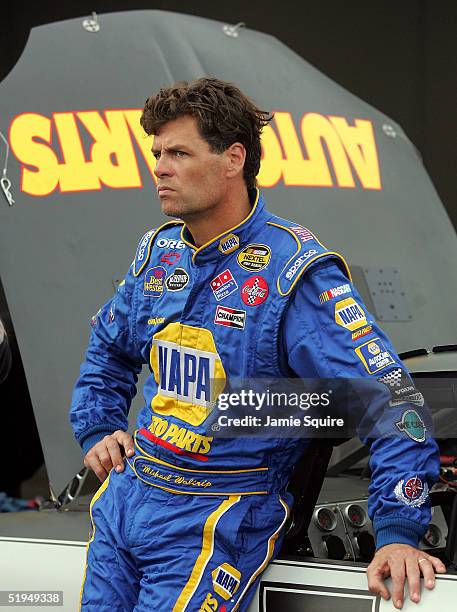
(191, 178)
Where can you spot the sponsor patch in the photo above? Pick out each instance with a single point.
(170, 258)
(303, 233)
(359, 333)
(177, 280)
(188, 371)
(412, 425)
(374, 355)
(226, 580)
(295, 267)
(223, 285)
(154, 282)
(142, 249)
(401, 388)
(254, 257)
(231, 317)
(229, 244)
(156, 321)
(254, 291)
(170, 243)
(412, 492)
(334, 292)
(181, 437)
(349, 314)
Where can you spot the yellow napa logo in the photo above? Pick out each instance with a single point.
(226, 580)
(349, 314)
(188, 371)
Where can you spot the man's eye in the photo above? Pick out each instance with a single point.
(180, 153)
(156, 155)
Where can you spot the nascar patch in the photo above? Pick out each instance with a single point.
(374, 355)
(223, 285)
(229, 244)
(334, 292)
(254, 257)
(349, 314)
(230, 317)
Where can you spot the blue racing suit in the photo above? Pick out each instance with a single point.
(195, 518)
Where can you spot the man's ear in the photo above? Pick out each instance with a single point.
(235, 156)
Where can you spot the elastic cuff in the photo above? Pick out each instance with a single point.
(95, 436)
(398, 531)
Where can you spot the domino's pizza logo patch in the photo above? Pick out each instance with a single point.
(223, 285)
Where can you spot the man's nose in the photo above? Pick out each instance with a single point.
(162, 168)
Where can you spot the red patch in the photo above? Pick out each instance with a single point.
(170, 258)
(254, 291)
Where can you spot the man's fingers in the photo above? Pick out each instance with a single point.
(125, 440)
(104, 458)
(413, 572)
(426, 567)
(97, 467)
(437, 564)
(397, 571)
(114, 451)
(376, 582)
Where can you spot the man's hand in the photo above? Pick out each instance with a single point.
(107, 454)
(401, 561)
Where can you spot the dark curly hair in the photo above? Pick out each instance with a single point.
(224, 115)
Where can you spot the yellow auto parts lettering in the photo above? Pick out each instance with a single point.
(314, 150)
(188, 371)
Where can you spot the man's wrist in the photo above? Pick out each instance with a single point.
(398, 531)
(94, 437)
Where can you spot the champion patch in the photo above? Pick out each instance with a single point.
(412, 425)
(178, 280)
(374, 355)
(254, 291)
(154, 282)
(254, 257)
(231, 317)
(229, 244)
(226, 580)
(223, 285)
(412, 492)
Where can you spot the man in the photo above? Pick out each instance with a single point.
(226, 290)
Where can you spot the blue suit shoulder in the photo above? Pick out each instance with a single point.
(301, 251)
(169, 232)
